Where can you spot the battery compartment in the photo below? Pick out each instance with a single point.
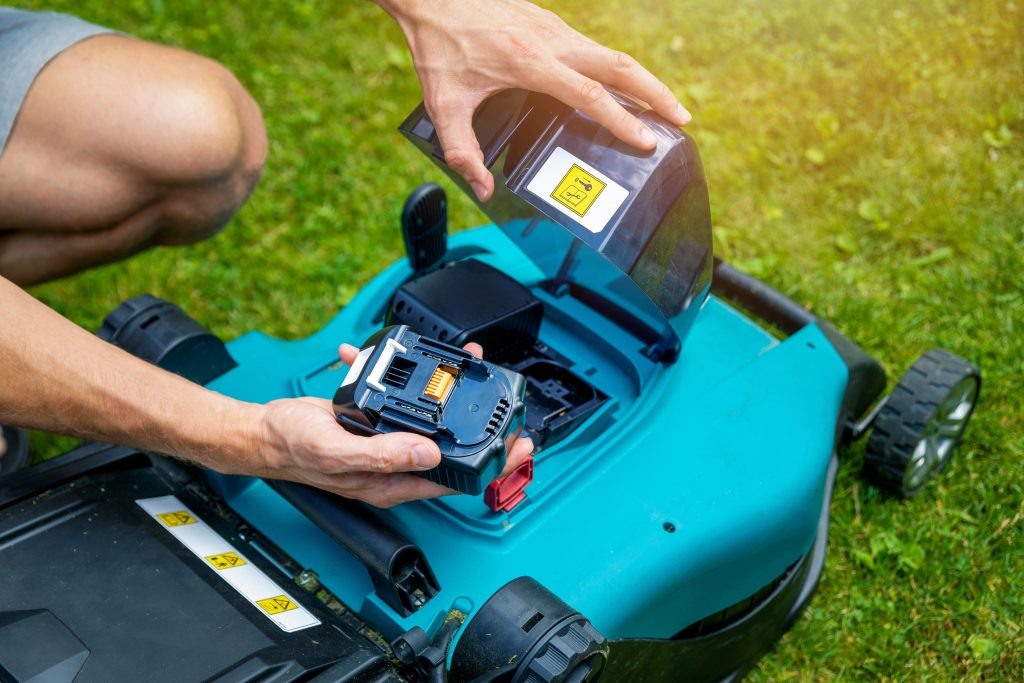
(557, 399)
(470, 301)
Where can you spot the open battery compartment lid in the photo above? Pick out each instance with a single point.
(563, 182)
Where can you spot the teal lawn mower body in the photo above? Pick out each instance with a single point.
(688, 420)
(669, 503)
(673, 504)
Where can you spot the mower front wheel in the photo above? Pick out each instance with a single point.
(921, 424)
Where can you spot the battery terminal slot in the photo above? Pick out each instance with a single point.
(441, 383)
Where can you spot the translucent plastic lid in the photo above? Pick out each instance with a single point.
(562, 182)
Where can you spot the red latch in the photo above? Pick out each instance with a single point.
(507, 492)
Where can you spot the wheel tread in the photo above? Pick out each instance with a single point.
(911, 406)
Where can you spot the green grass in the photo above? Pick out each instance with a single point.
(865, 157)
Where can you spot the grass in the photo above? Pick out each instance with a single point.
(865, 157)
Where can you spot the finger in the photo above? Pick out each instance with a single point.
(623, 72)
(348, 353)
(385, 490)
(475, 349)
(396, 489)
(591, 98)
(462, 153)
(522, 449)
(389, 453)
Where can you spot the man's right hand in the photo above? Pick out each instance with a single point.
(59, 378)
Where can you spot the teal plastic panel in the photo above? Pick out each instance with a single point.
(729, 446)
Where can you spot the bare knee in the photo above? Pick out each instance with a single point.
(211, 156)
(177, 128)
(114, 126)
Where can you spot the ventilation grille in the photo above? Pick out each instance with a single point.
(498, 416)
(399, 372)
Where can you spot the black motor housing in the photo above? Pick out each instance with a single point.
(524, 632)
(470, 301)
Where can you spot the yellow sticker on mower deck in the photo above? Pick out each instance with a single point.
(225, 560)
(177, 518)
(221, 557)
(276, 605)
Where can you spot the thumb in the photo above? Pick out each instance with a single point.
(399, 452)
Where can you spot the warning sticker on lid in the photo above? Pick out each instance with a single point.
(231, 566)
(578, 190)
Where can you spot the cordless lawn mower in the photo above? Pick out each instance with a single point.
(671, 525)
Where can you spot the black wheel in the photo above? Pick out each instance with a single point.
(16, 450)
(917, 430)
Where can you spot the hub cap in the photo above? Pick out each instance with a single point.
(941, 434)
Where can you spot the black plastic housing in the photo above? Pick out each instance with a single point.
(474, 424)
(557, 399)
(93, 590)
(649, 214)
(425, 226)
(160, 332)
(470, 301)
(399, 570)
(524, 632)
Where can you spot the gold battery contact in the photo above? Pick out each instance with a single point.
(441, 383)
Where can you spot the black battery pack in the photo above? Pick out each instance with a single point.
(404, 382)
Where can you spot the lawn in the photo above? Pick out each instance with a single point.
(864, 157)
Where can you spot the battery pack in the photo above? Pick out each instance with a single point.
(404, 382)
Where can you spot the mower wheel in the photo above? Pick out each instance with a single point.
(16, 450)
(921, 424)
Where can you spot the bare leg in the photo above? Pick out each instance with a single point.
(122, 145)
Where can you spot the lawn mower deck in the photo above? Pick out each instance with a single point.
(677, 516)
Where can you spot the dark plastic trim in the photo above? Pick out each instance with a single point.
(160, 332)
(401, 575)
(343, 648)
(727, 653)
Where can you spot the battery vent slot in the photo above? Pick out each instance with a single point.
(498, 416)
(399, 372)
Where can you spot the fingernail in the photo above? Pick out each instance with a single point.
(647, 137)
(479, 188)
(424, 456)
(683, 116)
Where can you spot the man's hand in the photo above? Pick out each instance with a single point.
(466, 50)
(57, 377)
(301, 441)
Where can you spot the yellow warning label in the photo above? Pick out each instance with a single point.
(276, 605)
(176, 518)
(577, 190)
(225, 560)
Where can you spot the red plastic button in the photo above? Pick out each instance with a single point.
(509, 491)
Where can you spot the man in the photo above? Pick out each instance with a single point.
(110, 145)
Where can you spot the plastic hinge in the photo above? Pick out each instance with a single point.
(503, 494)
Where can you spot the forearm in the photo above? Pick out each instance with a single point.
(57, 377)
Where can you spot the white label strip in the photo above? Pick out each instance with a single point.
(578, 190)
(229, 564)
